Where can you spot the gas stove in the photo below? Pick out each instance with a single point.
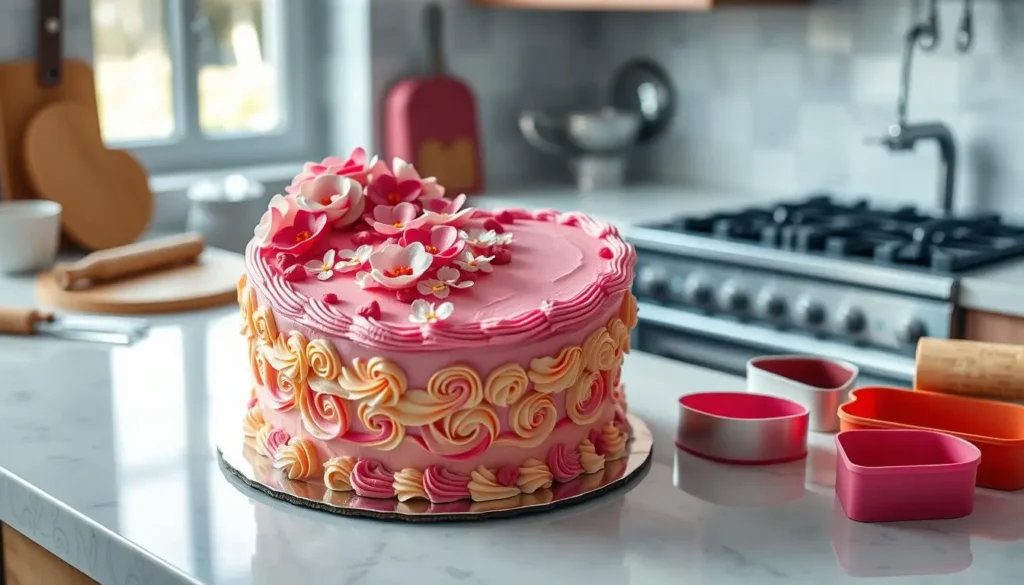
(845, 280)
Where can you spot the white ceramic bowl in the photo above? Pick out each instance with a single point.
(818, 384)
(29, 235)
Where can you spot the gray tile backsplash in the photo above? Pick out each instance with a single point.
(773, 99)
(781, 99)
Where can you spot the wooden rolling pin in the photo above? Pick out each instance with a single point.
(22, 321)
(970, 368)
(127, 260)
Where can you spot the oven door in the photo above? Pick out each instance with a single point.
(726, 346)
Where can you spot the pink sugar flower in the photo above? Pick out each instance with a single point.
(392, 221)
(441, 241)
(303, 234)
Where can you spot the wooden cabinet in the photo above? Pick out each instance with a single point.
(632, 4)
(24, 562)
(982, 326)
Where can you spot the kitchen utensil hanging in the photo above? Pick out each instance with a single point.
(431, 121)
(177, 273)
(29, 321)
(643, 87)
(26, 86)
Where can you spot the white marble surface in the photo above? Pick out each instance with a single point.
(995, 289)
(107, 459)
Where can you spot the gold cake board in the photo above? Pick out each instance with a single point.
(240, 460)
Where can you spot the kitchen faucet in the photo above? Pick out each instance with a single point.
(903, 135)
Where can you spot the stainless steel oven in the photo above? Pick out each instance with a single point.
(726, 346)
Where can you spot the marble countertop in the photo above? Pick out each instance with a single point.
(108, 461)
(995, 289)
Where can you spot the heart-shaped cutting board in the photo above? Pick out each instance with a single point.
(105, 193)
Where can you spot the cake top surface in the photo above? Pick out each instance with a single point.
(381, 256)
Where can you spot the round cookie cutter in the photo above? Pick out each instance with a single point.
(240, 461)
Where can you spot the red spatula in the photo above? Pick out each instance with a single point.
(431, 121)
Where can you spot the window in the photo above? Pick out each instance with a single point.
(203, 84)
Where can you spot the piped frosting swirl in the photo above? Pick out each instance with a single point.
(534, 475)
(564, 463)
(589, 459)
(338, 473)
(443, 486)
(485, 487)
(370, 480)
(409, 485)
(298, 459)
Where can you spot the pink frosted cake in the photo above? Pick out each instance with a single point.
(405, 346)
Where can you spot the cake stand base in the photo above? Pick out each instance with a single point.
(240, 460)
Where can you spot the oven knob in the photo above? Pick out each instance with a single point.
(811, 313)
(697, 291)
(911, 331)
(651, 281)
(853, 320)
(772, 306)
(733, 298)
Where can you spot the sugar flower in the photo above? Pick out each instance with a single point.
(426, 313)
(471, 263)
(441, 241)
(484, 239)
(306, 229)
(323, 269)
(393, 220)
(443, 211)
(281, 211)
(441, 287)
(355, 167)
(365, 280)
(406, 172)
(339, 198)
(387, 190)
(396, 267)
(349, 260)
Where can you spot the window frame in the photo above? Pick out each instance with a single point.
(189, 148)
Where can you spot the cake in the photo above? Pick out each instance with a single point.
(404, 346)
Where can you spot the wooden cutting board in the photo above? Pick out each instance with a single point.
(209, 282)
(53, 148)
(431, 121)
(26, 87)
(5, 180)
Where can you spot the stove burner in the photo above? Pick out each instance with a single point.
(902, 237)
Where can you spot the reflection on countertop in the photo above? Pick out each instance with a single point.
(109, 462)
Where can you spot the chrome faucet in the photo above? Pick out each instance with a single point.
(903, 135)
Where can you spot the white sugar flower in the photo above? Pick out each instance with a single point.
(471, 263)
(503, 239)
(397, 267)
(323, 269)
(349, 260)
(365, 280)
(425, 313)
(479, 238)
(441, 287)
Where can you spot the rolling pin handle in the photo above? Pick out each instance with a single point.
(22, 321)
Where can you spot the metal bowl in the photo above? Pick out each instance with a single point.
(742, 428)
(604, 130)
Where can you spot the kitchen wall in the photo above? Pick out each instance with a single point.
(513, 60)
(781, 99)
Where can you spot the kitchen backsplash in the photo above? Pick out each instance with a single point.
(781, 100)
(773, 99)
